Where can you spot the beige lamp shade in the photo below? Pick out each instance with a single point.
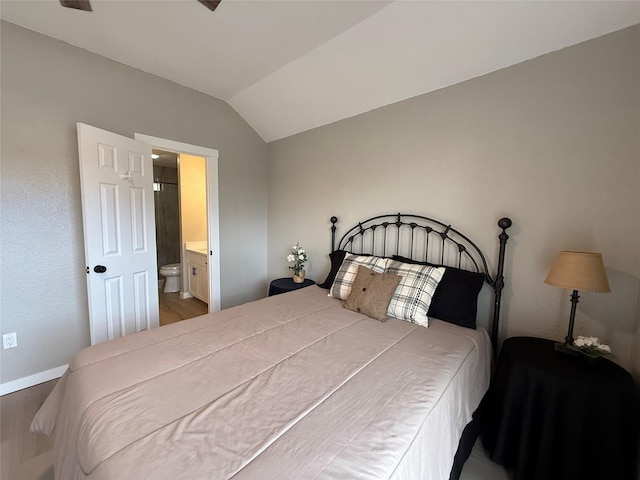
(578, 271)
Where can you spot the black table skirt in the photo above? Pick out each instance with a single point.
(283, 285)
(556, 416)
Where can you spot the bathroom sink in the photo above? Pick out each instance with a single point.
(197, 247)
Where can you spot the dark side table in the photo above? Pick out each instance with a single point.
(283, 285)
(551, 415)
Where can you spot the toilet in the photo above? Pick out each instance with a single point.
(172, 274)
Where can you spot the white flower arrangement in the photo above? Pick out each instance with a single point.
(591, 346)
(298, 256)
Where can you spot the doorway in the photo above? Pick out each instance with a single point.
(179, 189)
(211, 249)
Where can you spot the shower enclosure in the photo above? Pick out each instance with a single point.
(167, 214)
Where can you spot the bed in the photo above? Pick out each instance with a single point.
(293, 386)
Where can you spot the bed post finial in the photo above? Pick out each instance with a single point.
(333, 220)
(503, 223)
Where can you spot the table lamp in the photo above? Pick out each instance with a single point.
(577, 271)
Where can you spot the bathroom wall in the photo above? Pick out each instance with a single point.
(167, 215)
(193, 198)
(193, 203)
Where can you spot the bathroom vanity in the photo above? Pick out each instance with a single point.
(198, 272)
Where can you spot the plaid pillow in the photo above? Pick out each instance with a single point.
(413, 295)
(343, 282)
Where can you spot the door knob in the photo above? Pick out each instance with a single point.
(99, 269)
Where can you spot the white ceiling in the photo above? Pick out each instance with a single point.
(289, 66)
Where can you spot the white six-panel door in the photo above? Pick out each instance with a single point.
(119, 233)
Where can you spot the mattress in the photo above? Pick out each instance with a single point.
(288, 387)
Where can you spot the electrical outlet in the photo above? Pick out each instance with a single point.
(9, 340)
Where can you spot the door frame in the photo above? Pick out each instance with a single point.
(213, 214)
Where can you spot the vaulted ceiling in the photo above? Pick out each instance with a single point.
(289, 66)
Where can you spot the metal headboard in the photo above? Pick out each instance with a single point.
(426, 239)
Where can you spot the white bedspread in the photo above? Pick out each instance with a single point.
(289, 387)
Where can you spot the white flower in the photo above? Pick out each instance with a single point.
(298, 257)
(591, 345)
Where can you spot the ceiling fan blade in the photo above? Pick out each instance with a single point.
(210, 4)
(77, 4)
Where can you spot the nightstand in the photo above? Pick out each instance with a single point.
(283, 285)
(551, 415)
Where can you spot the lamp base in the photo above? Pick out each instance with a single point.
(564, 348)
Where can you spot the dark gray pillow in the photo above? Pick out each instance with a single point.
(337, 258)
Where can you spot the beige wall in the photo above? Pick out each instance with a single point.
(553, 142)
(46, 87)
(193, 199)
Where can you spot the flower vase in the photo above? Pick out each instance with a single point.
(298, 277)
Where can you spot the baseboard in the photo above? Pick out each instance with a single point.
(185, 295)
(31, 380)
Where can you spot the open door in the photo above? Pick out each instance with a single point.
(116, 176)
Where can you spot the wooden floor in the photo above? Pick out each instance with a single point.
(173, 308)
(28, 456)
(24, 455)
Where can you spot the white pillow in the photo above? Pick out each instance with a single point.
(413, 295)
(341, 287)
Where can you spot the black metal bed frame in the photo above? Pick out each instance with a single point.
(425, 239)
